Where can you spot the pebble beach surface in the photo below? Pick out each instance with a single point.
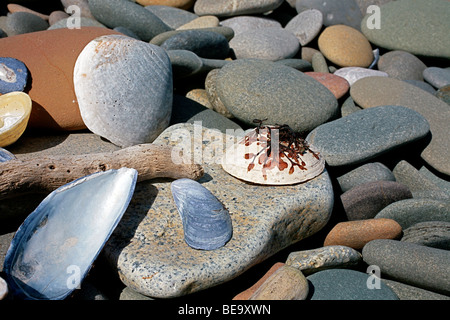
(365, 82)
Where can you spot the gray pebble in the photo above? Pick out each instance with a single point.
(345, 12)
(271, 43)
(368, 133)
(402, 65)
(410, 263)
(366, 200)
(279, 93)
(24, 22)
(437, 77)
(306, 25)
(343, 284)
(172, 16)
(411, 211)
(119, 13)
(205, 44)
(243, 24)
(420, 186)
(434, 234)
(368, 172)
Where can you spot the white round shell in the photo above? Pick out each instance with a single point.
(247, 160)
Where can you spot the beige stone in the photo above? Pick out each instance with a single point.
(345, 46)
(201, 22)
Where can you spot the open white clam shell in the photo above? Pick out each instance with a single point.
(248, 160)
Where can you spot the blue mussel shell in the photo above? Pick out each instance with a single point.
(206, 222)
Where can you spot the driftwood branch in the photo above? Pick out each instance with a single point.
(45, 174)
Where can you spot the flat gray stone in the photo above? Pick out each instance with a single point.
(84, 22)
(343, 284)
(345, 12)
(401, 65)
(438, 180)
(257, 89)
(24, 22)
(377, 91)
(205, 44)
(416, 26)
(413, 264)
(366, 200)
(422, 85)
(435, 234)
(437, 77)
(186, 110)
(420, 185)
(123, 13)
(411, 211)
(369, 172)
(160, 38)
(407, 292)
(306, 25)
(242, 24)
(226, 8)
(270, 43)
(329, 257)
(366, 134)
(172, 16)
(148, 249)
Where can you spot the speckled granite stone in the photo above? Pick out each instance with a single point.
(148, 247)
(328, 257)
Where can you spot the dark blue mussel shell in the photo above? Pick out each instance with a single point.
(206, 222)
